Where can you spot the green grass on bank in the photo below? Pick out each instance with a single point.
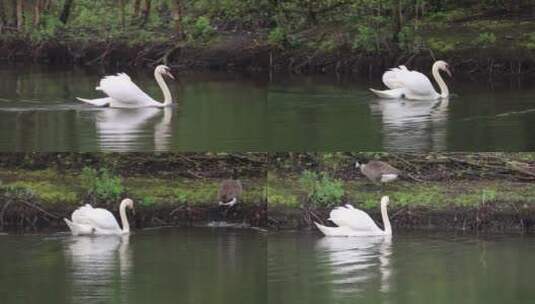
(288, 191)
(50, 187)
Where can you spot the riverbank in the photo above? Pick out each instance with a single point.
(487, 192)
(38, 190)
(496, 49)
(479, 192)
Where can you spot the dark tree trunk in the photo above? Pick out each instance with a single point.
(66, 11)
(19, 16)
(145, 12)
(3, 16)
(37, 12)
(177, 17)
(121, 9)
(137, 4)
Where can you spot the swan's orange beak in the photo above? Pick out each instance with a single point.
(447, 71)
(169, 75)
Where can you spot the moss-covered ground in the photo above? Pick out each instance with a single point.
(288, 191)
(51, 187)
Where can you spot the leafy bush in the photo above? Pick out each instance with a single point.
(199, 28)
(408, 39)
(485, 39)
(322, 190)
(529, 41)
(102, 184)
(277, 37)
(181, 197)
(148, 201)
(365, 39)
(440, 46)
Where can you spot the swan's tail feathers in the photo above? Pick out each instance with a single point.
(389, 94)
(328, 231)
(99, 102)
(71, 225)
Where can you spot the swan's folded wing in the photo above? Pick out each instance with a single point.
(104, 220)
(82, 215)
(417, 83)
(353, 219)
(393, 78)
(121, 88)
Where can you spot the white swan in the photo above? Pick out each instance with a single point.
(123, 93)
(88, 220)
(407, 84)
(355, 222)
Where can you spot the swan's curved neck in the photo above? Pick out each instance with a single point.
(386, 221)
(124, 219)
(444, 91)
(167, 99)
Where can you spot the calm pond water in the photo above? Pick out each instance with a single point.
(165, 266)
(231, 112)
(411, 268)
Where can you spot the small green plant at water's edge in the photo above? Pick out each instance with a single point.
(485, 39)
(322, 190)
(102, 184)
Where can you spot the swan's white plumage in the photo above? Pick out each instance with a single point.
(124, 93)
(404, 83)
(354, 219)
(412, 83)
(351, 221)
(98, 102)
(89, 220)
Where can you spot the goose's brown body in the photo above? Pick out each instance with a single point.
(229, 189)
(379, 171)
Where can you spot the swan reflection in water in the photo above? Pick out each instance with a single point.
(416, 125)
(98, 266)
(134, 129)
(355, 262)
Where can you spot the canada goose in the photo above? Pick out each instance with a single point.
(378, 171)
(229, 191)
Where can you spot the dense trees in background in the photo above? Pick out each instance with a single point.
(363, 24)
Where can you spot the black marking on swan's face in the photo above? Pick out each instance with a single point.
(164, 70)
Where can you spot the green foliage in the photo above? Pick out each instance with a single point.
(328, 44)
(409, 40)
(365, 39)
(102, 184)
(275, 199)
(277, 36)
(529, 41)
(366, 25)
(440, 46)
(321, 189)
(485, 39)
(148, 201)
(181, 197)
(17, 192)
(46, 191)
(198, 29)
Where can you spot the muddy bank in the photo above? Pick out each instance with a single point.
(26, 216)
(251, 52)
(37, 190)
(495, 217)
(436, 191)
